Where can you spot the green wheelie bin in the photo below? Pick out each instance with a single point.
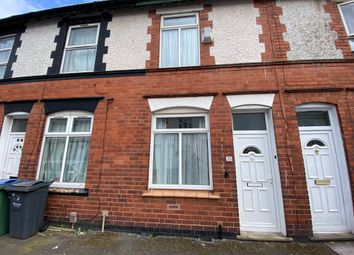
(4, 206)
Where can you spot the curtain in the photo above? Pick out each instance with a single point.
(348, 13)
(7, 42)
(2, 71)
(52, 159)
(169, 48)
(82, 125)
(76, 160)
(83, 36)
(57, 125)
(4, 56)
(80, 60)
(165, 162)
(195, 163)
(189, 47)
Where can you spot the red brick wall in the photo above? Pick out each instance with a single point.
(118, 183)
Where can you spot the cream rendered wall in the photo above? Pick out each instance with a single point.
(33, 57)
(308, 30)
(127, 41)
(236, 33)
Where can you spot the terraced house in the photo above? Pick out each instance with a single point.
(199, 118)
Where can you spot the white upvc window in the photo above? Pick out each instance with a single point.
(6, 44)
(65, 149)
(347, 12)
(80, 48)
(180, 152)
(179, 43)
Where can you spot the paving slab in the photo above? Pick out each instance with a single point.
(63, 242)
(342, 248)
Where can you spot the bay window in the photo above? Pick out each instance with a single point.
(179, 44)
(80, 48)
(65, 149)
(180, 152)
(6, 44)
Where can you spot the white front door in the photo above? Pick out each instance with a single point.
(257, 199)
(13, 150)
(325, 173)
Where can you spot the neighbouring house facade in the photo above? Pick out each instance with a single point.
(185, 117)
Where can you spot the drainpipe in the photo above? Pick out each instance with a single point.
(104, 215)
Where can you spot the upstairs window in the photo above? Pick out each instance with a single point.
(6, 44)
(65, 149)
(80, 49)
(347, 12)
(179, 44)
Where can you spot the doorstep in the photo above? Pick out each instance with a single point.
(264, 237)
(332, 237)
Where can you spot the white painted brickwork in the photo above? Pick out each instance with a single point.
(236, 33)
(308, 30)
(128, 40)
(33, 57)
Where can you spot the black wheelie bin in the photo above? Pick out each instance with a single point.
(27, 206)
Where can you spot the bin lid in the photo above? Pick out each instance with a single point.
(27, 186)
(5, 182)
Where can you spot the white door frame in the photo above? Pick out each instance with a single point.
(279, 210)
(339, 151)
(4, 138)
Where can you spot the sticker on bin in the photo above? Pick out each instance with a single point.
(16, 201)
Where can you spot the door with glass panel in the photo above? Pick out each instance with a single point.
(322, 171)
(257, 201)
(16, 139)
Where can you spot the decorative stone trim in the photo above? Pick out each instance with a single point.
(253, 99)
(157, 104)
(181, 194)
(276, 47)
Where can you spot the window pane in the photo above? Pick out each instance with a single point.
(2, 71)
(7, 42)
(165, 164)
(57, 125)
(83, 36)
(176, 21)
(52, 159)
(195, 163)
(4, 56)
(76, 160)
(169, 48)
(313, 118)
(348, 13)
(189, 47)
(249, 121)
(81, 125)
(351, 43)
(19, 125)
(80, 60)
(180, 122)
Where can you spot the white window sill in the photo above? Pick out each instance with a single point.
(202, 194)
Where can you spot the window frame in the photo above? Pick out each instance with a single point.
(179, 27)
(350, 36)
(78, 47)
(7, 49)
(179, 131)
(70, 116)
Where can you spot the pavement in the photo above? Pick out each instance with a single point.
(61, 241)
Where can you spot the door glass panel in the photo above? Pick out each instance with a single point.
(19, 125)
(313, 118)
(249, 121)
(251, 149)
(315, 142)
